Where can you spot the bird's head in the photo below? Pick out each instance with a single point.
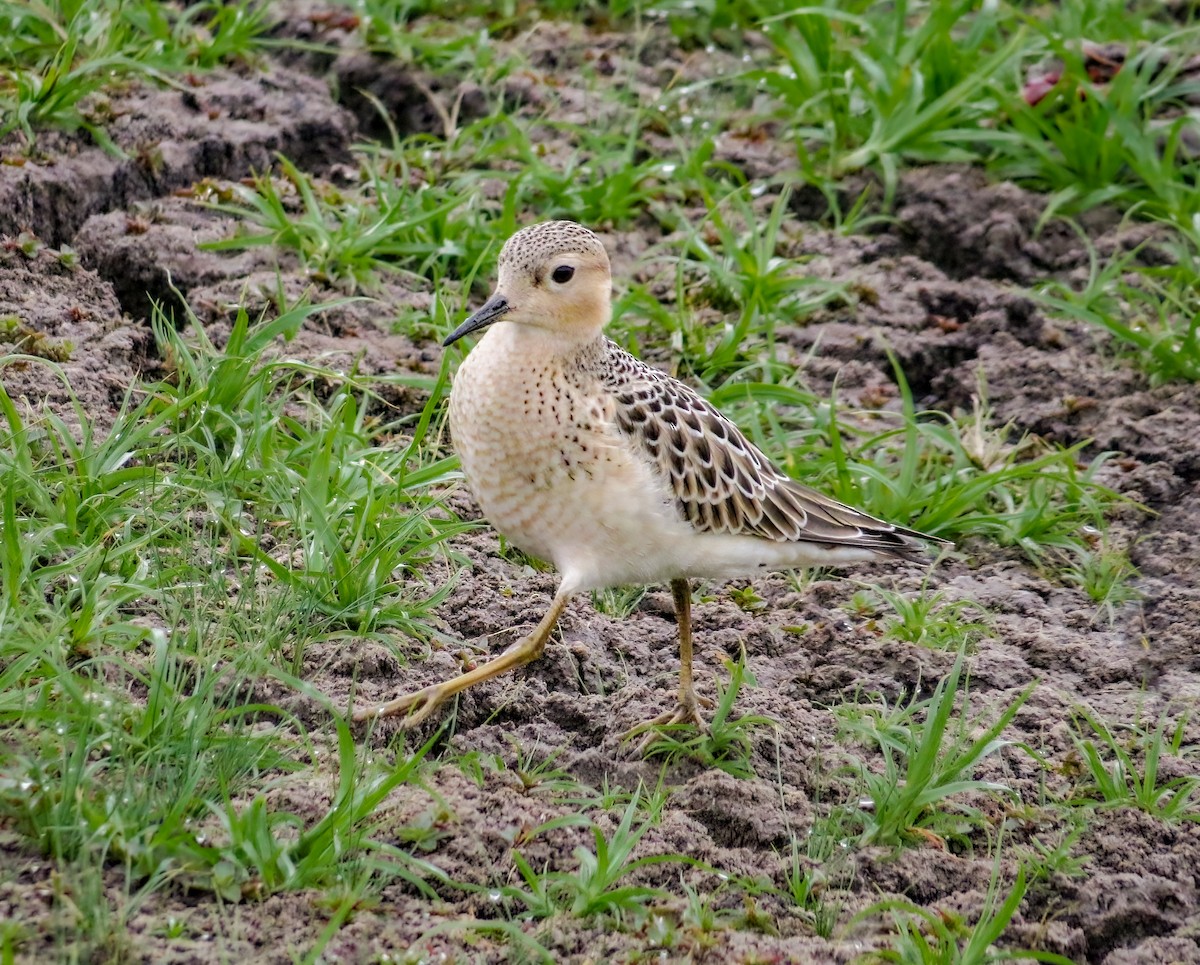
(554, 276)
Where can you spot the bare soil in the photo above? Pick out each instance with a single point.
(947, 275)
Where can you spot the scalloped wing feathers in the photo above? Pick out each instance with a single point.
(721, 481)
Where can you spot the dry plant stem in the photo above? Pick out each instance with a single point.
(421, 703)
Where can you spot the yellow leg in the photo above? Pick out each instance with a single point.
(688, 711)
(421, 703)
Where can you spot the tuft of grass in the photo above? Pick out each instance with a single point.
(330, 483)
(928, 619)
(926, 763)
(610, 181)
(1121, 140)
(344, 237)
(859, 87)
(56, 58)
(261, 852)
(811, 871)
(1104, 572)
(1150, 312)
(618, 601)
(742, 272)
(113, 781)
(596, 886)
(406, 31)
(1119, 780)
(1057, 856)
(925, 937)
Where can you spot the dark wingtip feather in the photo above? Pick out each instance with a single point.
(901, 543)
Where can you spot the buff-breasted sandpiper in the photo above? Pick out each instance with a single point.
(586, 457)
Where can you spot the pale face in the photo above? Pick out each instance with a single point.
(554, 277)
(569, 293)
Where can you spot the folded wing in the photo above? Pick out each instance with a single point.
(722, 482)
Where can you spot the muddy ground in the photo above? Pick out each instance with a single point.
(948, 272)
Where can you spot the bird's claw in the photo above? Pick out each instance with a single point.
(416, 707)
(687, 712)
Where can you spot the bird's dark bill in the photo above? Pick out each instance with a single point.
(492, 310)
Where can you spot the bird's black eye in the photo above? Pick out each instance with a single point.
(562, 274)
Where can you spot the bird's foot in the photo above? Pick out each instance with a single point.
(417, 706)
(687, 712)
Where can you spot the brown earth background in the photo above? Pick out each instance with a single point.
(948, 273)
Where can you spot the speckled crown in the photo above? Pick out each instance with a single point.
(525, 250)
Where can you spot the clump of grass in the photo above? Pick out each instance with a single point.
(813, 870)
(1117, 779)
(1057, 856)
(926, 763)
(746, 275)
(1152, 313)
(140, 798)
(261, 854)
(345, 237)
(407, 31)
(57, 56)
(925, 937)
(596, 886)
(362, 514)
(618, 601)
(1121, 141)
(929, 619)
(1105, 573)
(439, 215)
(857, 87)
(543, 777)
(441, 36)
